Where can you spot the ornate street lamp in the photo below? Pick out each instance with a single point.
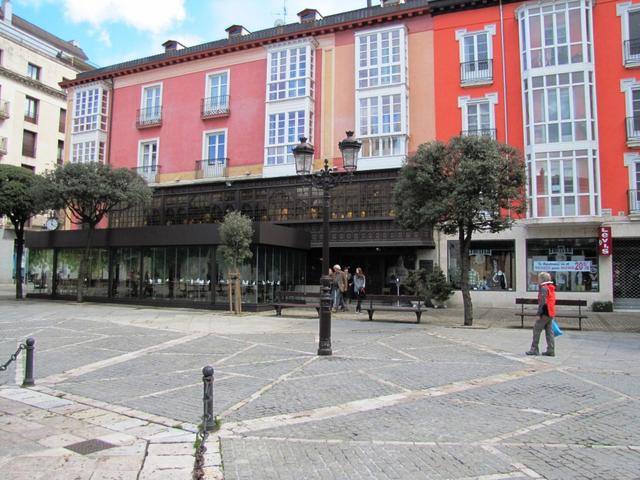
(325, 179)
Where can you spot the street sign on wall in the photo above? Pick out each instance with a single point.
(604, 241)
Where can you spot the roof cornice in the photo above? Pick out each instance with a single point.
(5, 72)
(370, 16)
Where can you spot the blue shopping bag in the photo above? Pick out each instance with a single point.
(556, 328)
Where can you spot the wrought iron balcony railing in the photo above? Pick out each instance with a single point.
(4, 109)
(32, 118)
(480, 132)
(634, 201)
(211, 167)
(148, 172)
(213, 107)
(632, 52)
(149, 117)
(633, 129)
(478, 71)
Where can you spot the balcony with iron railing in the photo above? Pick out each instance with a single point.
(478, 72)
(4, 109)
(148, 172)
(480, 132)
(634, 201)
(213, 107)
(31, 117)
(632, 52)
(633, 131)
(149, 117)
(3, 145)
(211, 167)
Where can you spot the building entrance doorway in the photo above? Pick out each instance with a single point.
(626, 273)
(385, 268)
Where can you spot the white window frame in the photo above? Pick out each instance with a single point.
(214, 167)
(524, 14)
(310, 47)
(632, 162)
(205, 144)
(490, 98)
(83, 119)
(360, 35)
(622, 10)
(220, 105)
(146, 116)
(306, 133)
(84, 152)
(479, 77)
(37, 69)
(394, 159)
(148, 172)
(628, 86)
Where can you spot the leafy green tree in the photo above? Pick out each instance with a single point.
(471, 184)
(88, 192)
(236, 233)
(23, 194)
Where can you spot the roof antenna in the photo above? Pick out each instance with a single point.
(281, 21)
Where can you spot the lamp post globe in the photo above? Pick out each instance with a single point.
(303, 156)
(350, 148)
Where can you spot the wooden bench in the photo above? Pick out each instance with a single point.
(559, 303)
(393, 303)
(292, 299)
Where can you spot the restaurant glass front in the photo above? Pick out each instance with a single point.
(183, 274)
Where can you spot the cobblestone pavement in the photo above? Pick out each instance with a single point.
(396, 400)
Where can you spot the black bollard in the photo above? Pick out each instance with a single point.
(324, 345)
(207, 398)
(28, 371)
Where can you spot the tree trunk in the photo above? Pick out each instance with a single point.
(84, 266)
(238, 294)
(465, 243)
(230, 283)
(19, 229)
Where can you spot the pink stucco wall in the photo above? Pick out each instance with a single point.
(182, 128)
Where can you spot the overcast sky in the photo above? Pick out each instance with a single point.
(113, 31)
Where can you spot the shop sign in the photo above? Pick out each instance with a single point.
(483, 251)
(604, 241)
(566, 266)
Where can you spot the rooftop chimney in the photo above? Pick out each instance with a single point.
(172, 45)
(7, 10)
(309, 15)
(388, 3)
(236, 31)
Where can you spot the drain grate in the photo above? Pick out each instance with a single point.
(89, 446)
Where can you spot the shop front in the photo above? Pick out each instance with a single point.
(180, 265)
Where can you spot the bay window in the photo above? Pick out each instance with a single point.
(284, 131)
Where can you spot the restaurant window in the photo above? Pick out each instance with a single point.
(572, 263)
(491, 265)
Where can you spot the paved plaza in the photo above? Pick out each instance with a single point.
(396, 400)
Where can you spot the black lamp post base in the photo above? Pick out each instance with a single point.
(324, 348)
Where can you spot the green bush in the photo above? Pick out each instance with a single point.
(602, 306)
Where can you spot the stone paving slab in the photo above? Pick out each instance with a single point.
(397, 399)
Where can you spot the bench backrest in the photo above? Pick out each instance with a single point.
(559, 301)
(393, 298)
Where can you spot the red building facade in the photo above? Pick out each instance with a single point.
(211, 127)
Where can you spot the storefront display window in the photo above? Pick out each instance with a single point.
(40, 271)
(491, 265)
(572, 263)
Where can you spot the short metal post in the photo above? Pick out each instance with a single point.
(28, 371)
(207, 398)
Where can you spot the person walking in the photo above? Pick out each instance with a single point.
(359, 283)
(343, 286)
(336, 295)
(331, 274)
(546, 313)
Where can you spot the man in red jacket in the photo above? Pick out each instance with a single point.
(546, 313)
